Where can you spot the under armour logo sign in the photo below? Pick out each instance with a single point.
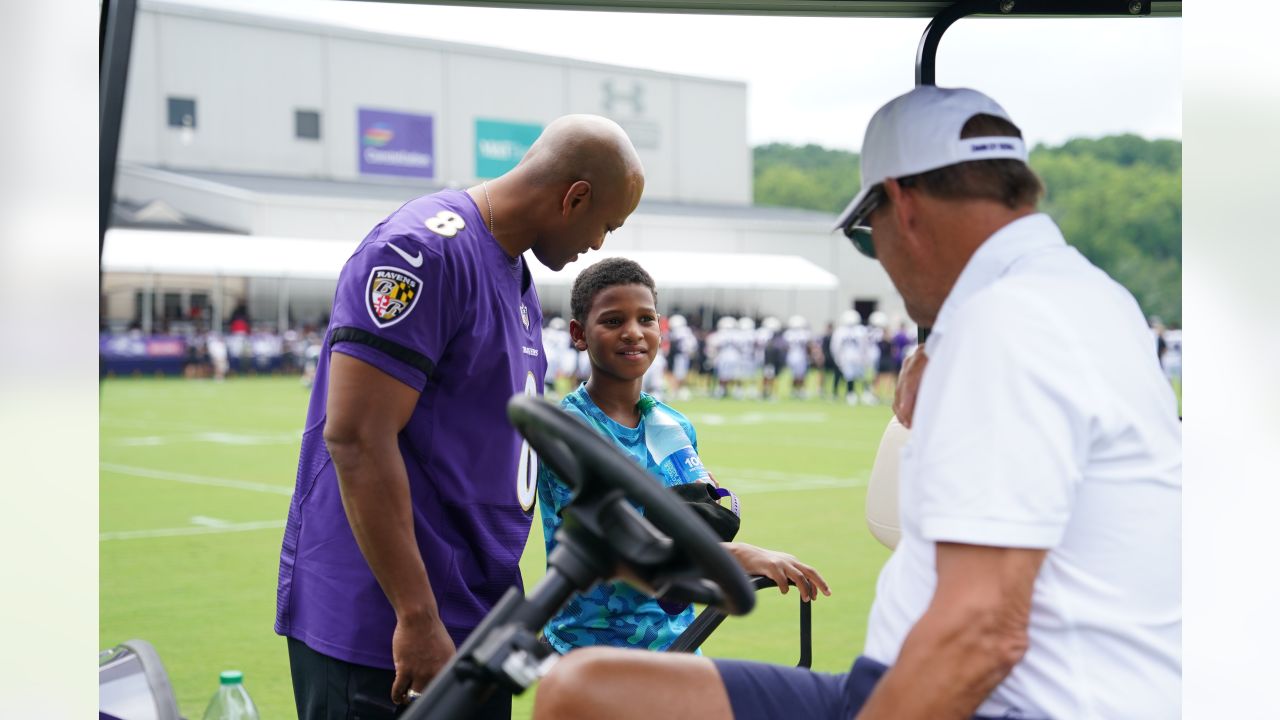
(613, 96)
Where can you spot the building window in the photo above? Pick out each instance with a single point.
(182, 113)
(172, 307)
(199, 306)
(141, 299)
(306, 124)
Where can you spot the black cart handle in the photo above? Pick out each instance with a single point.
(710, 618)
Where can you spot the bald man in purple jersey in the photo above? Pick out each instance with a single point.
(414, 495)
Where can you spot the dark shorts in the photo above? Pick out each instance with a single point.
(761, 691)
(758, 691)
(326, 688)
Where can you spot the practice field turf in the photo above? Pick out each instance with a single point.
(195, 484)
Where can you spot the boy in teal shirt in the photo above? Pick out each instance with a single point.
(615, 321)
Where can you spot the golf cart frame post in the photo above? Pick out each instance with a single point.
(927, 52)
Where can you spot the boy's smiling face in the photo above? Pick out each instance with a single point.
(621, 334)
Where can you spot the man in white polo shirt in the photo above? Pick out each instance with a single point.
(1040, 491)
(1039, 570)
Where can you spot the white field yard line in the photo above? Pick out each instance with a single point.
(743, 481)
(200, 525)
(162, 424)
(750, 480)
(759, 418)
(222, 527)
(122, 421)
(216, 438)
(141, 472)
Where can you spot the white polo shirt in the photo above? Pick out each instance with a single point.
(1044, 421)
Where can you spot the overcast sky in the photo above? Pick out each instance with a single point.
(820, 79)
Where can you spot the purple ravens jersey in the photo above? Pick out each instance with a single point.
(431, 299)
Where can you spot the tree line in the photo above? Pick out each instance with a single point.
(1118, 199)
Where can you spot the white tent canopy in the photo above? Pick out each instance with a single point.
(164, 252)
(747, 271)
(192, 253)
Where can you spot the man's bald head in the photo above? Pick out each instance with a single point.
(579, 182)
(584, 147)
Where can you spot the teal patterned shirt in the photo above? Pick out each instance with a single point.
(611, 613)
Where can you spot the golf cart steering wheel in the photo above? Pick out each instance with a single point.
(668, 551)
(668, 548)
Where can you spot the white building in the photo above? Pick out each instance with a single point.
(281, 130)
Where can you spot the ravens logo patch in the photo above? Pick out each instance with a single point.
(391, 295)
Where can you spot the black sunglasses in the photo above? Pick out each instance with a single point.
(860, 235)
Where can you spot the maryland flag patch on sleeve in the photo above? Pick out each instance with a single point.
(391, 295)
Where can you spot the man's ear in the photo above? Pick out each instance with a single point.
(578, 334)
(900, 201)
(575, 197)
(905, 207)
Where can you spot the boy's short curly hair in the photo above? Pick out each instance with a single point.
(603, 275)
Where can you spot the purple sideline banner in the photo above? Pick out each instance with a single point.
(134, 354)
(394, 143)
(113, 347)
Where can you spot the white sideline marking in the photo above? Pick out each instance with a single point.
(217, 438)
(145, 441)
(222, 438)
(210, 522)
(757, 418)
(195, 530)
(748, 480)
(195, 479)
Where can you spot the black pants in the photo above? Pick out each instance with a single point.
(326, 688)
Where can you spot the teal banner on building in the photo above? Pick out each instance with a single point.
(501, 144)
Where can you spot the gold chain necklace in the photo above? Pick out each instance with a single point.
(485, 184)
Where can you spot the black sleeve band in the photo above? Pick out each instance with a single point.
(409, 357)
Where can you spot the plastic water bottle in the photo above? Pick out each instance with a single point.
(232, 701)
(667, 442)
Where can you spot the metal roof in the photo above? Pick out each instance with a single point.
(700, 270)
(399, 192)
(193, 253)
(156, 214)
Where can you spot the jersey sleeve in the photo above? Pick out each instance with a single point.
(1000, 438)
(396, 307)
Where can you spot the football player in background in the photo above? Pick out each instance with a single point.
(799, 340)
(684, 345)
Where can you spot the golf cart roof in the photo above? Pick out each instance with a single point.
(845, 8)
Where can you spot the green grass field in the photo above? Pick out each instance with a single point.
(195, 485)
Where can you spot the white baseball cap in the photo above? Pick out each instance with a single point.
(920, 131)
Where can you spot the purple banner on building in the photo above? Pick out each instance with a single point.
(394, 143)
